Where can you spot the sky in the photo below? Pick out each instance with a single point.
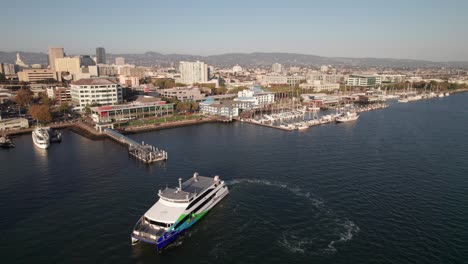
(411, 29)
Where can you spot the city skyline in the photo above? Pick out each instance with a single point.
(359, 29)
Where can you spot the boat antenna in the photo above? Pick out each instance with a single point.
(180, 184)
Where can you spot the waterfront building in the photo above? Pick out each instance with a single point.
(276, 67)
(143, 107)
(193, 72)
(102, 91)
(9, 124)
(59, 94)
(184, 94)
(120, 61)
(364, 80)
(317, 86)
(225, 108)
(253, 98)
(35, 75)
(55, 53)
(100, 55)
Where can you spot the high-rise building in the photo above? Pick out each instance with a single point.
(276, 67)
(100, 55)
(8, 69)
(193, 72)
(119, 61)
(55, 53)
(70, 65)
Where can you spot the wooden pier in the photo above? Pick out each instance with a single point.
(141, 151)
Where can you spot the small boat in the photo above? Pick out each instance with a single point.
(178, 209)
(348, 116)
(5, 142)
(441, 95)
(55, 136)
(41, 137)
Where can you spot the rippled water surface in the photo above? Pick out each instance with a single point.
(389, 188)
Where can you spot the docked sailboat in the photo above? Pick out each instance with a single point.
(178, 209)
(41, 137)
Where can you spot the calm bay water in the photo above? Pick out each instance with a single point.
(389, 188)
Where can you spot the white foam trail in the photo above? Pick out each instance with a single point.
(350, 229)
(297, 191)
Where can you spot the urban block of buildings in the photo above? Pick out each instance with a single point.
(103, 91)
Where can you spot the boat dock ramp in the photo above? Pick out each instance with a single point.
(141, 151)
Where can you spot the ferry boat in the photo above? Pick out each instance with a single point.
(348, 116)
(41, 137)
(178, 209)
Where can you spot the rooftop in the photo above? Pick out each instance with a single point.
(190, 188)
(94, 81)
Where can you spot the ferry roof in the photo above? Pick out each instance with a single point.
(190, 188)
(163, 213)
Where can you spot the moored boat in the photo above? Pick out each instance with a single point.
(178, 209)
(348, 116)
(41, 137)
(5, 142)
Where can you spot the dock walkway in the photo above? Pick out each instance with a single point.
(141, 151)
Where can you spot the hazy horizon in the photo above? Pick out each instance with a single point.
(358, 29)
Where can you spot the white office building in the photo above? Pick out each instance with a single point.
(193, 72)
(253, 98)
(100, 91)
(364, 80)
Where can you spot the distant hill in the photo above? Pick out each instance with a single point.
(247, 59)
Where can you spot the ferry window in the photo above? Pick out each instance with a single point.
(200, 197)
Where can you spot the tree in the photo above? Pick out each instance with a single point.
(41, 113)
(24, 97)
(44, 99)
(2, 78)
(194, 106)
(87, 110)
(64, 107)
(182, 107)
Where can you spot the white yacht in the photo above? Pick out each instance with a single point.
(403, 100)
(41, 137)
(178, 209)
(348, 116)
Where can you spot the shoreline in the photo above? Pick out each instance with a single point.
(89, 132)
